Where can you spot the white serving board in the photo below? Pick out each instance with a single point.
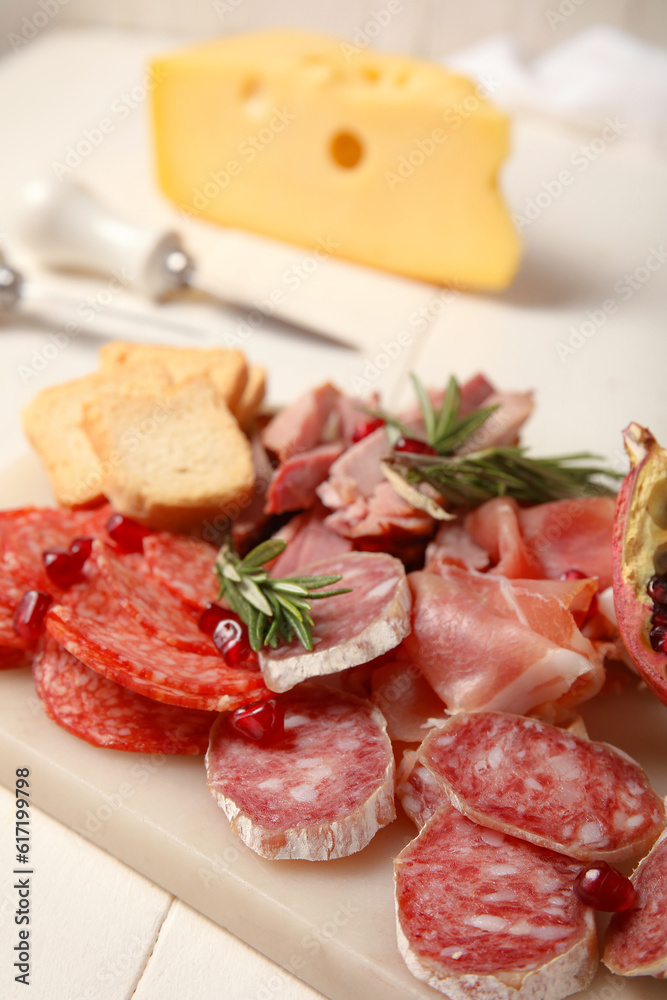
(329, 923)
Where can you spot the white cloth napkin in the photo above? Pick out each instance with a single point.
(602, 73)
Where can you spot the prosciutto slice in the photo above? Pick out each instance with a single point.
(348, 629)
(484, 916)
(407, 701)
(321, 792)
(296, 479)
(540, 783)
(636, 939)
(485, 642)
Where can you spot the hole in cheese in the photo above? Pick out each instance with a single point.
(346, 150)
(253, 96)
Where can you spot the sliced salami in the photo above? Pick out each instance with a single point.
(308, 540)
(322, 792)
(92, 626)
(532, 780)
(185, 565)
(484, 916)
(350, 628)
(420, 794)
(636, 939)
(105, 714)
(142, 595)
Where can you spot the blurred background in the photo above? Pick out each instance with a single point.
(429, 28)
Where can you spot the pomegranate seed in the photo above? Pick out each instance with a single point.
(657, 637)
(659, 616)
(61, 568)
(414, 446)
(127, 534)
(656, 589)
(366, 427)
(573, 574)
(604, 888)
(80, 550)
(264, 724)
(29, 615)
(230, 638)
(213, 614)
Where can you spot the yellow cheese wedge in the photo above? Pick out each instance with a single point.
(380, 159)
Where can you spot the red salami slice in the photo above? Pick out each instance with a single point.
(544, 784)
(351, 628)
(92, 626)
(483, 916)
(420, 794)
(636, 940)
(107, 715)
(28, 532)
(184, 565)
(142, 595)
(322, 792)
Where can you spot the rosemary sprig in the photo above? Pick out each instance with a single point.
(466, 480)
(273, 609)
(469, 480)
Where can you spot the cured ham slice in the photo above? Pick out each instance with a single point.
(544, 784)
(143, 596)
(92, 626)
(308, 540)
(357, 472)
(184, 565)
(296, 479)
(420, 794)
(502, 427)
(571, 534)
(485, 642)
(484, 916)
(454, 546)
(407, 701)
(495, 528)
(299, 426)
(385, 515)
(350, 628)
(107, 715)
(323, 791)
(636, 939)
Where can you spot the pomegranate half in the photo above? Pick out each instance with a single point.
(640, 554)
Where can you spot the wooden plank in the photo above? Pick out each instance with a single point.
(93, 921)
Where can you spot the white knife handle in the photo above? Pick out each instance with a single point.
(66, 227)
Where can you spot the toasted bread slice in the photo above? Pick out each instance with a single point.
(174, 461)
(253, 394)
(52, 424)
(226, 367)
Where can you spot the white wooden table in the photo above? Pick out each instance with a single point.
(101, 930)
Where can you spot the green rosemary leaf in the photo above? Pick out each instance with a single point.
(273, 610)
(426, 407)
(461, 432)
(448, 413)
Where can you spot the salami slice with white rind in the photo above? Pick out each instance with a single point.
(540, 783)
(92, 626)
(321, 792)
(420, 794)
(350, 628)
(636, 939)
(484, 916)
(107, 715)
